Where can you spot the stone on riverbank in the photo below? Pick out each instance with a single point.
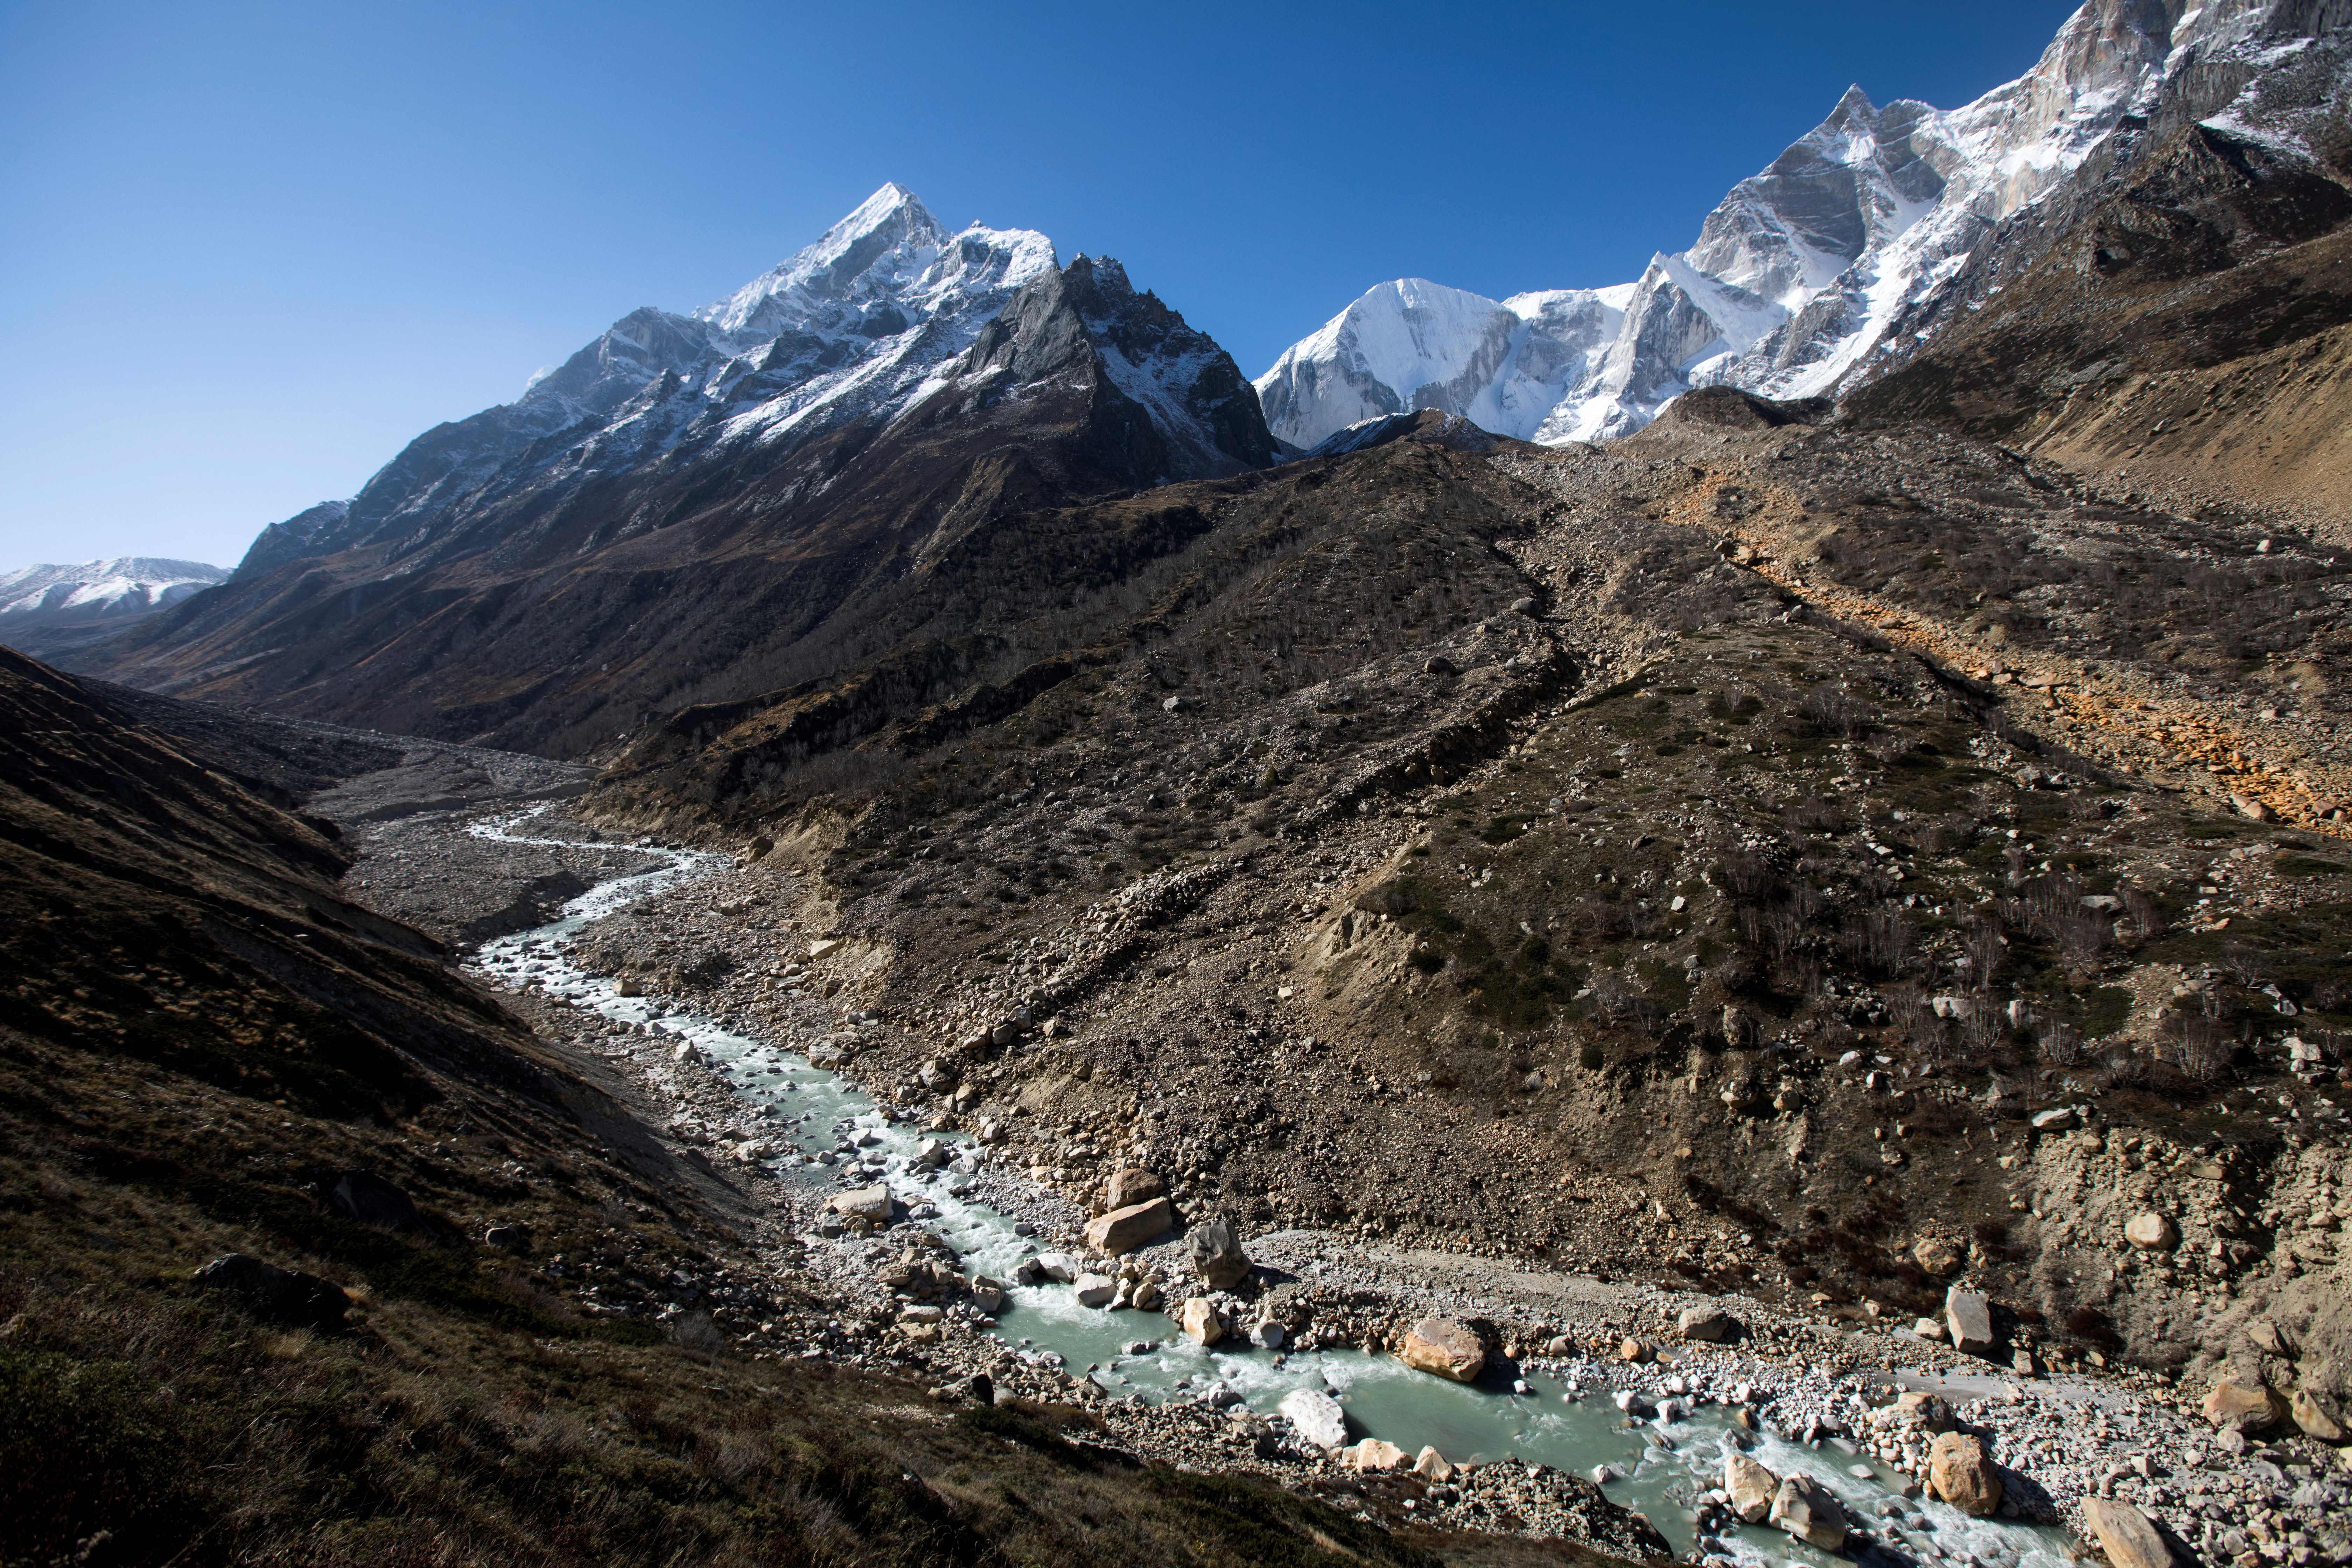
(1431, 1466)
(1931, 1411)
(1198, 1318)
(862, 1203)
(1804, 1508)
(1968, 1317)
(1217, 1255)
(1749, 1486)
(1443, 1346)
(1962, 1473)
(1374, 1454)
(2125, 1534)
(2314, 1417)
(1710, 1325)
(2244, 1406)
(1124, 1230)
(1938, 1256)
(1131, 1186)
(1315, 1416)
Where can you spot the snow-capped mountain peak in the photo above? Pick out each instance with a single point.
(862, 326)
(869, 255)
(47, 609)
(1842, 252)
(857, 324)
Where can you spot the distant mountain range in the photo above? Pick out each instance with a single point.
(50, 610)
(1857, 244)
(696, 509)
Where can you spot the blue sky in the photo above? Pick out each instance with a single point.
(251, 249)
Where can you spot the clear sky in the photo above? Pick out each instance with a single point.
(248, 250)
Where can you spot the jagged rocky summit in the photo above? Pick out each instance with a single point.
(871, 319)
(1853, 247)
(669, 514)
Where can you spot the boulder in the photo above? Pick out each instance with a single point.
(1711, 1324)
(1932, 1412)
(1059, 1266)
(1968, 1317)
(2315, 1413)
(1962, 1473)
(1804, 1508)
(1938, 1257)
(2269, 1338)
(2125, 1534)
(1268, 1335)
(1147, 1295)
(1124, 1230)
(2152, 1233)
(1315, 1416)
(1131, 1186)
(1199, 1319)
(1096, 1290)
(862, 1203)
(1374, 1454)
(275, 1295)
(364, 1196)
(2244, 1406)
(1749, 1486)
(1633, 1351)
(1217, 1255)
(1431, 1466)
(2061, 1120)
(1445, 1346)
(987, 1295)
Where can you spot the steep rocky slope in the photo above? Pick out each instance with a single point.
(1703, 855)
(2187, 335)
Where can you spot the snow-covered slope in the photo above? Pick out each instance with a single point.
(1415, 344)
(43, 608)
(856, 324)
(855, 330)
(1835, 259)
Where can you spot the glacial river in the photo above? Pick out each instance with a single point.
(805, 1111)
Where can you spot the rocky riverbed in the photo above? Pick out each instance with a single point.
(1826, 1395)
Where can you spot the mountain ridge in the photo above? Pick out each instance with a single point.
(1830, 266)
(50, 609)
(858, 408)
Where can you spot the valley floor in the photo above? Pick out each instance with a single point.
(1823, 1379)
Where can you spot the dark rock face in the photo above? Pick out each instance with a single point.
(298, 535)
(368, 1198)
(1217, 1255)
(276, 1295)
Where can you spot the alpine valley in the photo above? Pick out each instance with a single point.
(900, 920)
